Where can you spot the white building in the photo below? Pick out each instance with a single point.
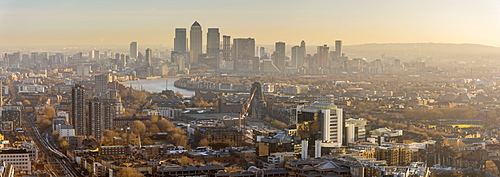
(30, 146)
(277, 160)
(320, 121)
(355, 129)
(166, 112)
(19, 158)
(31, 88)
(63, 114)
(65, 130)
(268, 88)
(6, 170)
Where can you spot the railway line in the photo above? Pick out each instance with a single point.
(58, 164)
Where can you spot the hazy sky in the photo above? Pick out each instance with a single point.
(152, 22)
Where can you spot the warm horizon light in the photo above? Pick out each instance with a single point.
(95, 23)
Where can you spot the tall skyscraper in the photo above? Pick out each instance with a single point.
(213, 42)
(78, 110)
(133, 50)
(257, 104)
(17, 58)
(195, 42)
(338, 49)
(262, 53)
(97, 55)
(180, 40)
(295, 56)
(226, 48)
(123, 60)
(243, 52)
(279, 56)
(94, 54)
(322, 59)
(397, 65)
(301, 54)
(320, 122)
(148, 57)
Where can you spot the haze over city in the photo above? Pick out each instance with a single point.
(73, 23)
(237, 88)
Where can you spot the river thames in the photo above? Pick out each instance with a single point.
(158, 85)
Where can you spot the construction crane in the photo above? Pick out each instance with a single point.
(244, 111)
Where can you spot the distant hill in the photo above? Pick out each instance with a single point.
(423, 51)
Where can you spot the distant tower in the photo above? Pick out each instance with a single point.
(295, 56)
(257, 104)
(279, 56)
(180, 40)
(338, 49)
(322, 57)
(301, 54)
(133, 50)
(397, 65)
(123, 60)
(94, 54)
(226, 48)
(78, 110)
(148, 57)
(213, 42)
(243, 51)
(262, 52)
(195, 42)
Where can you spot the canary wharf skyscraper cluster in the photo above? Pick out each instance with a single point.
(240, 54)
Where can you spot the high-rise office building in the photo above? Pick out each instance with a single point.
(301, 54)
(213, 42)
(322, 122)
(91, 54)
(322, 59)
(397, 65)
(78, 110)
(195, 42)
(134, 52)
(257, 104)
(180, 40)
(279, 56)
(262, 53)
(148, 57)
(94, 54)
(243, 52)
(226, 48)
(338, 49)
(123, 60)
(16, 59)
(295, 56)
(117, 57)
(101, 83)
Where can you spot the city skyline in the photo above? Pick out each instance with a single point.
(33, 23)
